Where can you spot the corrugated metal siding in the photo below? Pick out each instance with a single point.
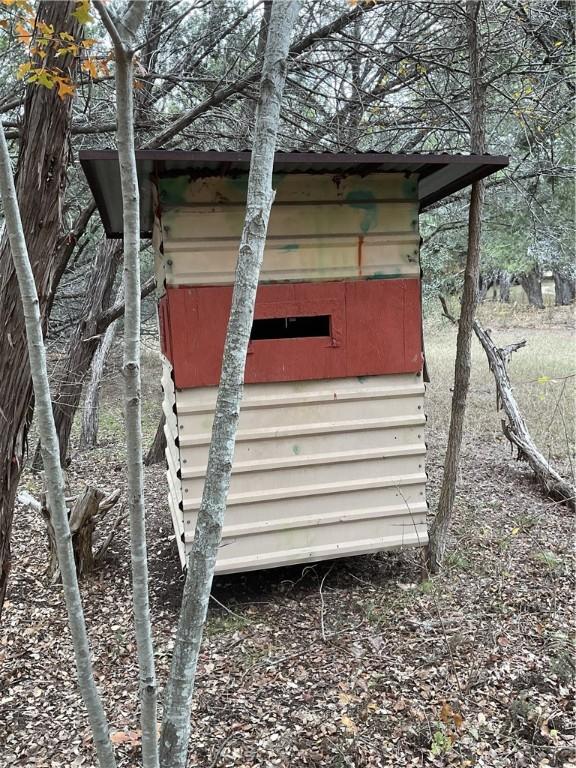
(320, 228)
(322, 468)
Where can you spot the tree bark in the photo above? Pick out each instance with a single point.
(516, 430)
(201, 562)
(71, 371)
(123, 35)
(91, 409)
(485, 282)
(438, 533)
(564, 289)
(34, 343)
(504, 286)
(87, 512)
(40, 184)
(156, 451)
(531, 282)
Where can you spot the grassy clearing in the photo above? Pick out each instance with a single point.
(543, 375)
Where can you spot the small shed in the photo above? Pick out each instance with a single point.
(330, 453)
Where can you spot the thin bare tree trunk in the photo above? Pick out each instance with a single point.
(202, 560)
(91, 409)
(51, 456)
(504, 286)
(438, 533)
(40, 185)
(72, 369)
(123, 34)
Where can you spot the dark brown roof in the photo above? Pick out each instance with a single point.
(439, 175)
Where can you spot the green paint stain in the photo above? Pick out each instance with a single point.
(296, 450)
(410, 188)
(240, 182)
(387, 276)
(277, 179)
(362, 199)
(173, 190)
(290, 247)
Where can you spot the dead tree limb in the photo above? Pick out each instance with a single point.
(515, 428)
(86, 514)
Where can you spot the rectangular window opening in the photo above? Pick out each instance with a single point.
(290, 327)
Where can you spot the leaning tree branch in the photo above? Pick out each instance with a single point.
(117, 310)
(515, 428)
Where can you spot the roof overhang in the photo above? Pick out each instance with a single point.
(440, 175)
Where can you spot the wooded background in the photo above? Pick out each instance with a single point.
(370, 75)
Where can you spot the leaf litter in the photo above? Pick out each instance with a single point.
(358, 662)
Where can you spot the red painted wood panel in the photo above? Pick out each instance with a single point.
(374, 329)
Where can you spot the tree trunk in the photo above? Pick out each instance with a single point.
(201, 562)
(91, 409)
(41, 180)
(72, 369)
(156, 451)
(124, 40)
(87, 512)
(485, 282)
(34, 344)
(516, 430)
(504, 286)
(564, 289)
(249, 105)
(438, 533)
(531, 282)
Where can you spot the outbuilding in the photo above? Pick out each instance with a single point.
(330, 453)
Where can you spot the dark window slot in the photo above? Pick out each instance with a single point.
(290, 327)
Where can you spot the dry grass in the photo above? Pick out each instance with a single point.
(543, 375)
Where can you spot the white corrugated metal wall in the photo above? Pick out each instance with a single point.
(322, 468)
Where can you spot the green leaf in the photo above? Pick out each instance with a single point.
(82, 12)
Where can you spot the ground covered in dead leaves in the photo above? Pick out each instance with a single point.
(354, 663)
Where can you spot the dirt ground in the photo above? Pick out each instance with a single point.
(356, 662)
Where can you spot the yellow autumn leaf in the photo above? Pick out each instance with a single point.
(23, 70)
(46, 29)
(89, 65)
(24, 35)
(82, 12)
(515, 531)
(71, 49)
(65, 88)
(349, 724)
